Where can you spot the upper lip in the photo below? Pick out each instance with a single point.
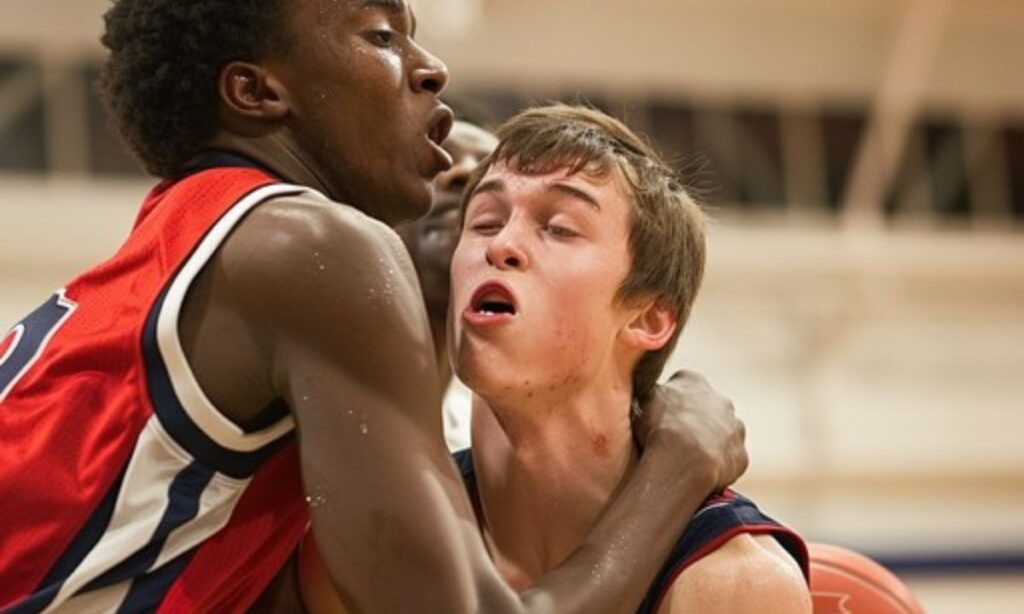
(495, 293)
(441, 121)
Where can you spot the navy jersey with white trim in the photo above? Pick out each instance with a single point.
(720, 518)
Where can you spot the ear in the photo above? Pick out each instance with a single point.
(651, 327)
(249, 92)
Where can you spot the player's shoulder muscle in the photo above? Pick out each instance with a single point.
(748, 573)
(301, 253)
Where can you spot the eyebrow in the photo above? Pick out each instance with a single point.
(495, 184)
(488, 185)
(577, 193)
(393, 6)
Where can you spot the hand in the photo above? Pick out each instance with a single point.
(690, 417)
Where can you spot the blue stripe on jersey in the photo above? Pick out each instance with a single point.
(222, 159)
(715, 518)
(80, 546)
(182, 506)
(179, 425)
(719, 515)
(149, 591)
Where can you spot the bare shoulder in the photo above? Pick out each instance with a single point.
(305, 258)
(296, 238)
(319, 283)
(749, 573)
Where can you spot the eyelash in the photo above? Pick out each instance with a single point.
(485, 227)
(492, 227)
(382, 38)
(561, 231)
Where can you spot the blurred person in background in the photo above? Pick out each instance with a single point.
(257, 353)
(431, 240)
(579, 259)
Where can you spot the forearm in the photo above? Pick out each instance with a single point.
(609, 573)
(615, 566)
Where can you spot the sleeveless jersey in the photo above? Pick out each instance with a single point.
(719, 519)
(124, 489)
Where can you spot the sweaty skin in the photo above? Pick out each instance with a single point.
(316, 304)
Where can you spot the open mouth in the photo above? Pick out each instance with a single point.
(493, 300)
(440, 125)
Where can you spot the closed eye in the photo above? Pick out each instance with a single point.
(382, 38)
(561, 231)
(487, 227)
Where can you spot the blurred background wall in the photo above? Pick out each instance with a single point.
(864, 303)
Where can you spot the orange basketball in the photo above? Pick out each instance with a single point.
(845, 582)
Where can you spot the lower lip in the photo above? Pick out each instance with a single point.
(478, 319)
(442, 159)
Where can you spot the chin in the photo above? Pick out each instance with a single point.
(412, 204)
(481, 374)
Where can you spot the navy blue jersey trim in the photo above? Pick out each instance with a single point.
(182, 506)
(150, 590)
(224, 159)
(86, 539)
(177, 422)
(718, 516)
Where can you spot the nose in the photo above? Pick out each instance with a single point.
(432, 76)
(456, 178)
(505, 251)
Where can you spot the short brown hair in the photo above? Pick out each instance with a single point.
(666, 236)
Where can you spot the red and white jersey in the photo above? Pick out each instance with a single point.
(123, 488)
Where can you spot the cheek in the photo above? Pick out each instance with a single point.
(458, 268)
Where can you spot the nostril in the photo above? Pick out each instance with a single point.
(432, 85)
(512, 261)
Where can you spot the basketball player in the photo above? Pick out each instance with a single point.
(578, 264)
(147, 410)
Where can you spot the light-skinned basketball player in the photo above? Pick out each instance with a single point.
(579, 260)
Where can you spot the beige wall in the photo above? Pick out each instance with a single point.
(779, 49)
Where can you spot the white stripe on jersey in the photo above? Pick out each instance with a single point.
(186, 388)
(140, 505)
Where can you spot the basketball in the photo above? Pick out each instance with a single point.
(845, 582)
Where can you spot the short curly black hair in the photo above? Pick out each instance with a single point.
(159, 82)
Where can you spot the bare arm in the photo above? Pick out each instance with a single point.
(746, 575)
(351, 354)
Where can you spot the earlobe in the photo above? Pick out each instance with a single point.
(651, 328)
(249, 91)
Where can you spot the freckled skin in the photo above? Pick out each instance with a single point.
(554, 272)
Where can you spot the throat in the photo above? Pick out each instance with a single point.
(543, 491)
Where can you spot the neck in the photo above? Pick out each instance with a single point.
(276, 153)
(439, 331)
(546, 473)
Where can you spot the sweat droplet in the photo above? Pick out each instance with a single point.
(364, 428)
(315, 501)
